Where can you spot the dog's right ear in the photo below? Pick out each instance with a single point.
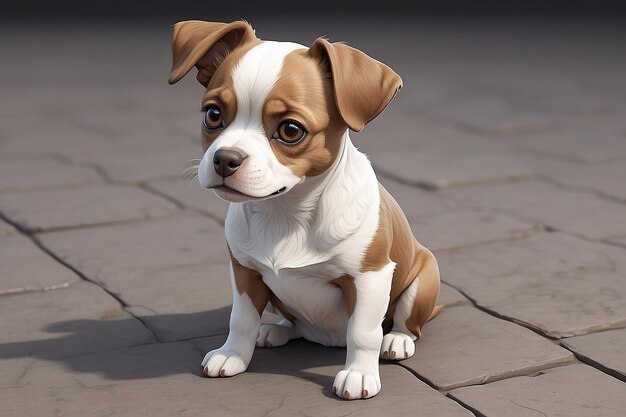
(205, 45)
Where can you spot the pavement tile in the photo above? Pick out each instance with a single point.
(438, 223)
(551, 96)
(608, 179)
(587, 140)
(620, 240)
(24, 145)
(440, 170)
(64, 323)
(568, 391)
(152, 162)
(95, 121)
(574, 211)
(415, 202)
(465, 346)
(40, 174)
(174, 265)
(191, 194)
(493, 116)
(25, 267)
(6, 229)
(159, 297)
(558, 284)
(605, 350)
(459, 229)
(449, 297)
(12, 371)
(407, 130)
(164, 380)
(47, 210)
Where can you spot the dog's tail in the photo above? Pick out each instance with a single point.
(436, 311)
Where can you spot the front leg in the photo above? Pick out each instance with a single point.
(360, 377)
(250, 296)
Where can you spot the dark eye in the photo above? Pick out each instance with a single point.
(213, 118)
(290, 132)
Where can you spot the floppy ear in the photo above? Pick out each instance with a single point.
(205, 45)
(363, 86)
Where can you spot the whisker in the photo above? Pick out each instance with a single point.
(191, 168)
(195, 177)
(190, 171)
(193, 161)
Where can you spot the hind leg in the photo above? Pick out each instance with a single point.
(414, 308)
(400, 342)
(274, 335)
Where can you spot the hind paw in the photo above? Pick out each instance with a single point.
(274, 335)
(397, 346)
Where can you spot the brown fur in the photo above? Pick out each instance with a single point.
(250, 282)
(363, 87)
(304, 95)
(346, 283)
(204, 45)
(394, 241)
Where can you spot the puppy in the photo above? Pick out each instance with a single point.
(310, 230)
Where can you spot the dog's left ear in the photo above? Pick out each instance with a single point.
(205, 45)
(363, 86)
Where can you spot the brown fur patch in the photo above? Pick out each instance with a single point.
(250, 282)
(204, 45)
(304, 94)
(346, 283)
(363, 87)
(394, 241)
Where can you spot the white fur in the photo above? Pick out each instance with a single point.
(360, 377)
(261, 174)
(234, 356)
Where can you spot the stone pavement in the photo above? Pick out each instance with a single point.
(506, 148)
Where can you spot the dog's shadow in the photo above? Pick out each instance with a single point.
(90, 346)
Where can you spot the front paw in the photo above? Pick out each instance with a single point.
(352, 385)
(222, 363)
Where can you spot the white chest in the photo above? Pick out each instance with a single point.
(271, 242)
(303, 240)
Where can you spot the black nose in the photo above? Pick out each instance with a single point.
(227, 161)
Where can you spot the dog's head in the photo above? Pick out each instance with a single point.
(274, 113)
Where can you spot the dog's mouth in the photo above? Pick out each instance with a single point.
(230, 190)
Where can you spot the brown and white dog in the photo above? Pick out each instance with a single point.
(310, 230)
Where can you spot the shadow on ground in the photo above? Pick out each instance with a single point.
(82, 346)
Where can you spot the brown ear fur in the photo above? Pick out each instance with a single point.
(205, 45)
(363, 86)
